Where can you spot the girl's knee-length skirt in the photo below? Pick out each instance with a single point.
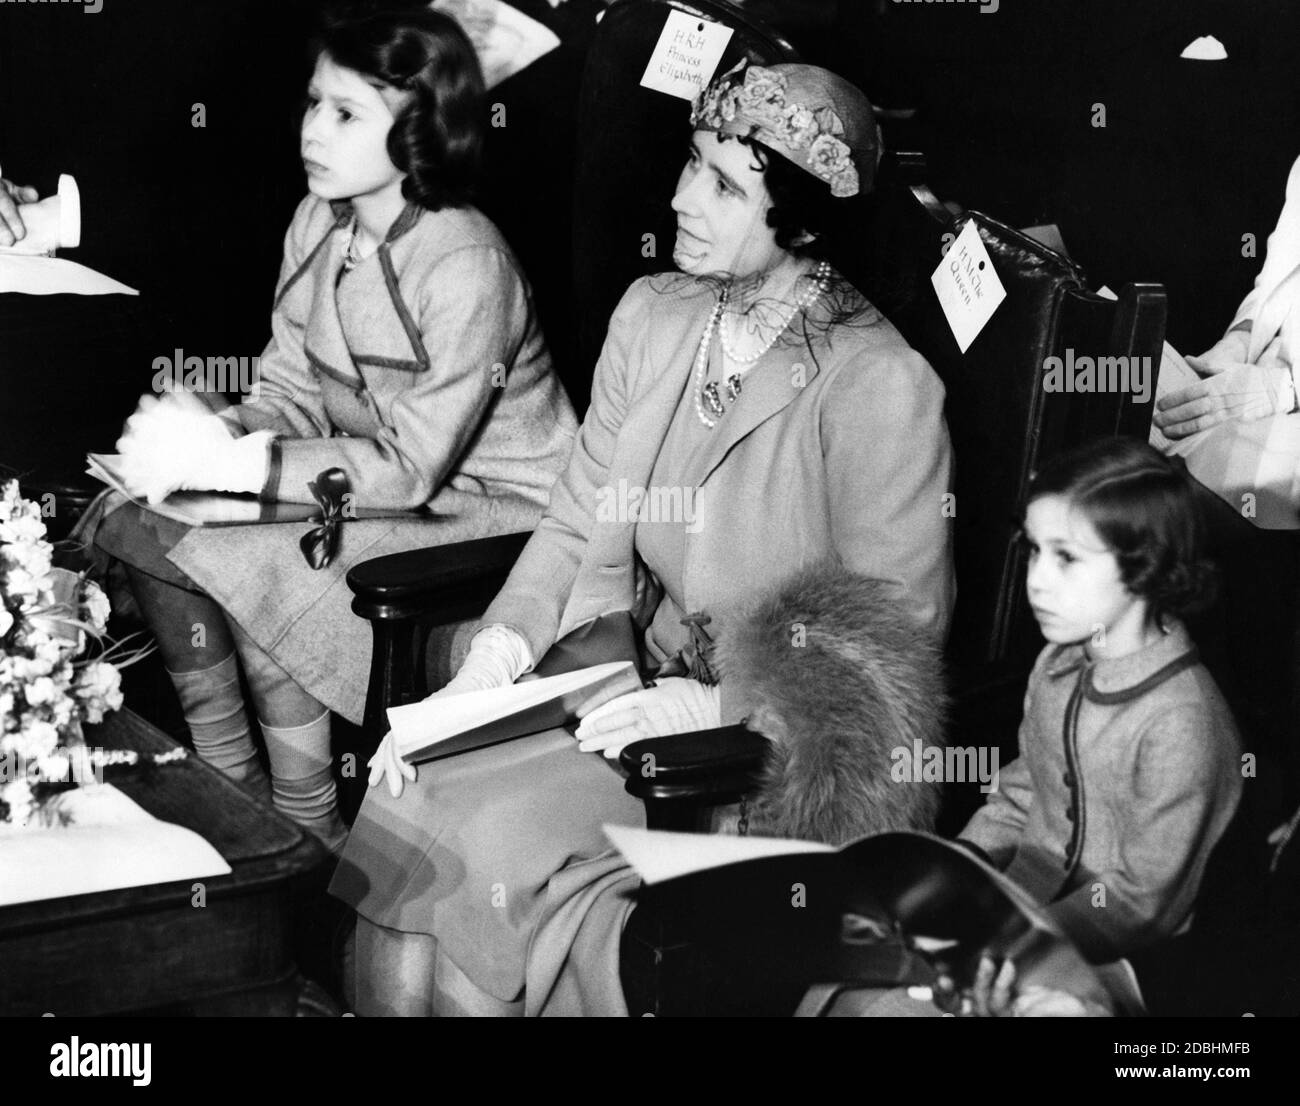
(300, 616)
(500, 855)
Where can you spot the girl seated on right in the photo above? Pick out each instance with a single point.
(1129, 769)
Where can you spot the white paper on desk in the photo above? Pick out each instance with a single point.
(686, 55)
(110, 844)
(505, 39)
(659, 855)
(968, 287)
(52, 276)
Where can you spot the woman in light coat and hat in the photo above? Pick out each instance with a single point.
(750, 415)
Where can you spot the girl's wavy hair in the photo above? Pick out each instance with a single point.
(1145, 507)
(437, 138)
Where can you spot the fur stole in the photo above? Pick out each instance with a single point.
(837, 678)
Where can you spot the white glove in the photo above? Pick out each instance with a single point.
(1232, 349)
(1240, 391)
(172, 444)
(497, 656)
(673, 705)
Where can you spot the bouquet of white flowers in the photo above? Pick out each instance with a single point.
(57, 668)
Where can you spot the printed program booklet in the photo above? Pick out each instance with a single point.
(457, 723)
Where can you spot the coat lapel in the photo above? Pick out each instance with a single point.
(326, 347)
(383, 332)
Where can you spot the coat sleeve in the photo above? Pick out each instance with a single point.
(888, 469)
(288, 399)
(534, 597)
(473, 313)
(1281, 256)
(1184, 791)
(997, 827)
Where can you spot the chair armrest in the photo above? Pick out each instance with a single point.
(447, 582)
(680, 776)
(402, 595)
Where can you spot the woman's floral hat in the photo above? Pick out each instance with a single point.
(807, 115)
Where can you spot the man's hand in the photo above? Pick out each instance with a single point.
(1238, 391)
(11, 223)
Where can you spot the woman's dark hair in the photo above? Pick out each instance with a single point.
(437, 138)
(1144, 506)
(803, 205)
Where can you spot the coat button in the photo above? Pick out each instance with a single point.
(1069, 779)
(1069, 814)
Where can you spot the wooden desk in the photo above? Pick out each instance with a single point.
(150, 949)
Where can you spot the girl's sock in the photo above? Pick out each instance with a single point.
(214, 711)
(302, 786)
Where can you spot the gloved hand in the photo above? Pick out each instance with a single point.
(497, 656)
(1232, 349)
(673, 705)
(1234, 392)
(177, 444)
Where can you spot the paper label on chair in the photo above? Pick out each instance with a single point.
(687, 53)
(967, 285)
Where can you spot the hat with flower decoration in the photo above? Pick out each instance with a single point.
(806, 114)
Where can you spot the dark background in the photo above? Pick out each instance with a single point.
(1194, 155)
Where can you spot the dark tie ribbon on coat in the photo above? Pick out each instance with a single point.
(330, 489)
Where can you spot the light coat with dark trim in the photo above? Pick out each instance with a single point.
(424, 376)
(423, 373)
(1128, 775)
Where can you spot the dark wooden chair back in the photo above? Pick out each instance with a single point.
(1002, 420)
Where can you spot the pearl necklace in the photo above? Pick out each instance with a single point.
(702, 360)
(821, 280)
(708, 393)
